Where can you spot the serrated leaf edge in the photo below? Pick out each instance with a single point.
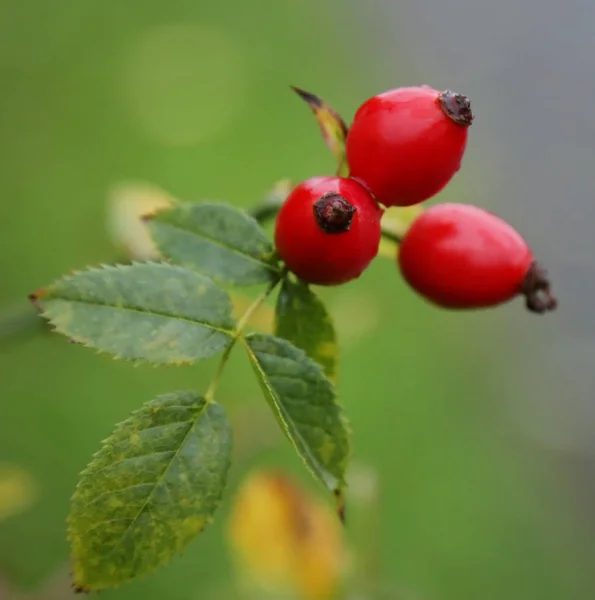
(37, 299)
(341, 483)
(89, 467)
(333, 376)
(275, 269)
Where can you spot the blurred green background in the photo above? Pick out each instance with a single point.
(193, 97)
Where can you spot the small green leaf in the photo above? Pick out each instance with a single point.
(302, 318)
(304, 402)
(332, 126)
(152, 487)
(160, 313)
(218, 240)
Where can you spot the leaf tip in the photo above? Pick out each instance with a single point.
(35, 298)
(79, 588)
(149, 216)
(311, 99)
(340, 505)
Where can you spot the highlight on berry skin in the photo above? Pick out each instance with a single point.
(406, 144)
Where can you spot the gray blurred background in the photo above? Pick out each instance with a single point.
(528, 67)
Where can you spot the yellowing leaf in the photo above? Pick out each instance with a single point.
(285, 540)
(395, 221)
(152, 487)
(356, 313)
(332, 126)
(302, 318)
(273, 201)
(127, 204)
(18, 491)
(147, 312)
(280, 190)
(262, 320)
(305, 405)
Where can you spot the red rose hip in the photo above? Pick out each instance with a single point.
(462, 257)
(328, 230)
(406, 144)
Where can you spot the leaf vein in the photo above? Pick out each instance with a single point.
(222, 244)
(161, 477)
(202, 323)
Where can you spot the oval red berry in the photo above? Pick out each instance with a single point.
(461, 256)
(328, 230)
(406, 144)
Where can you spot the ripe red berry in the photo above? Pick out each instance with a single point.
(328, 230)
(406, 144)
(459, 256)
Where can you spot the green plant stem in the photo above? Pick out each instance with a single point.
(238, 332)
(21, 319)
(391, 236)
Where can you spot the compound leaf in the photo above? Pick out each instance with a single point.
(216, 239)
(302, 318)
(332, 126)
(304, 403)
(159, 313)
(152, 487)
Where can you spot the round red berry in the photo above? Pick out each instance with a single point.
(461, 257)
(328, 230)
(406, 144)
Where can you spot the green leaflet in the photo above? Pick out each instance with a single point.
(160, 313)
(218, 240)
(153, 486)
(304, 402)
(302, 318)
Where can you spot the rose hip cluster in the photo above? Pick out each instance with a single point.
(403, 147)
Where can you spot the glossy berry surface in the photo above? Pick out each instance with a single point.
(328, 230)
(406, 144)
(461, 257)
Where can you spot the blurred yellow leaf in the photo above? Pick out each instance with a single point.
(286, 541)
(18, 491)
(356, 313)
(262, 320)
(128, 202)
(280, 190)
(273, 200)
(396, 220)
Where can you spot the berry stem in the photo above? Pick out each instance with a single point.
(238, 333)
(391, 236)
(537, 290)
(456, 107)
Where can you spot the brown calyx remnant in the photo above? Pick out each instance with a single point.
(536, 288)
(456, 107)
(333, 213)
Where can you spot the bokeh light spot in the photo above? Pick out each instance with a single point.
(184, 82)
